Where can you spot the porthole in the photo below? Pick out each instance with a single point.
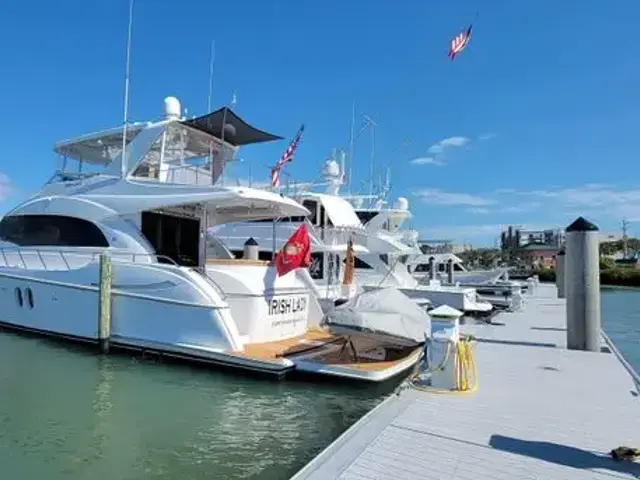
(18, 293)
(29, 297)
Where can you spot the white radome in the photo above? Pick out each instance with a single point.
(172, 107)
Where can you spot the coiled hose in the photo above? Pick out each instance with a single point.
(465, 368)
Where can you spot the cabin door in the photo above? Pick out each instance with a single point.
(172, 236)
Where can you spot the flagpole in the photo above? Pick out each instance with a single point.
(273, 239)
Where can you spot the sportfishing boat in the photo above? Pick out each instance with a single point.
(143, 196)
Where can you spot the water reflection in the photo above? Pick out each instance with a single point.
(67, 413)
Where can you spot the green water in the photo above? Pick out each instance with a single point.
(66, 413)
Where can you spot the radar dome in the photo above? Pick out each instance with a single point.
(171, 107)
(401, 204)
(331, 168)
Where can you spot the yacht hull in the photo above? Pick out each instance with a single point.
(177, 312)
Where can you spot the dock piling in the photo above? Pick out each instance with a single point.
(560, 284)
(104, 306)
(450, 271)
(582, 286)
(251, 249)
(432, 268)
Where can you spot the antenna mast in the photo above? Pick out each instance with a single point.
(372, 126)
(126, 92)
(351, 143)
(625, 239)
(212, 62)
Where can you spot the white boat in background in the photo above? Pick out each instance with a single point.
(148, 207)
(379, 263)
(330, 224)
(492, 286)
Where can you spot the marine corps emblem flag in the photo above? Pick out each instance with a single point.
(296, 253)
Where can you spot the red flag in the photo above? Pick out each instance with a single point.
(296, 253)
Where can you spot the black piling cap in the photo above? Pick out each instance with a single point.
(582, 225)
(251, 241)
(561, 252)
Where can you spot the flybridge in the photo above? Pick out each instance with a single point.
(173, 150)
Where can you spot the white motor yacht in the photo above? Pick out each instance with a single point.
(379, 263)
(146, 198)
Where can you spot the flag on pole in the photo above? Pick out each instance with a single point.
(349, 264)
(287, 156)
(459, 43)
(296, 253)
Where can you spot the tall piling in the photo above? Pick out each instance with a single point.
(432, 268)
(450, 275)
(582, 286)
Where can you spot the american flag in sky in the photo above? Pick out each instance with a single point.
(287, 156)
(459, 43)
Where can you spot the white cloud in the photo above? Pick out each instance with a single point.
(478, 210)
(480, 233)
(440, 197)
(522, 207)
(426, 161)
(614, 201)
(589, 199)
(487, 136)
(438, 148)
(551, 207)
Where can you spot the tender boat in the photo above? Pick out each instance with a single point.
(145, 195)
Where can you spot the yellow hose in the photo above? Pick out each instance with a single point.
(465, 367)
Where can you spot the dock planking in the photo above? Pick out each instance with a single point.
(541, 412)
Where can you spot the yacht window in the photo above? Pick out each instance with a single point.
(316, 269)
(357, 263)
(366, 215)
(51, 230)
(312, 206)
(322, 216)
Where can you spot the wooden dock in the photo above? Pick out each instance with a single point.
(541, 412)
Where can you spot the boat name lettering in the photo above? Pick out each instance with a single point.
(283, 305)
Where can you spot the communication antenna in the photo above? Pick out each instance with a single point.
(625, 239)
(126, 91)
(351, 144)
(212, 62)
(372, 125)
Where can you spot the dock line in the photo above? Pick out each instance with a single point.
(465, 368)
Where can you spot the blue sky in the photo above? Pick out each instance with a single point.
(535, 123)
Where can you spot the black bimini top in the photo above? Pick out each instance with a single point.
(237, 131)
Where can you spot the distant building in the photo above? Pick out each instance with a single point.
(538, 256)
(532, 247)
